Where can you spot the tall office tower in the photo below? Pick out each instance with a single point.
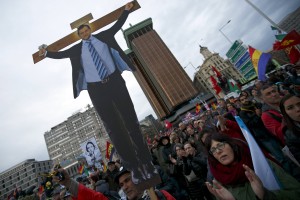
(63, 140)
(24, 175)
(161, 77)
(291, 21)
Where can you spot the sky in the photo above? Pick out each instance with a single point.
(36, 97)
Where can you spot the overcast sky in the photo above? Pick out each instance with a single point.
(36, 97)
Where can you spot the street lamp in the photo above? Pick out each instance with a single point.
(224, 34)
(263, 14)
(191, 65)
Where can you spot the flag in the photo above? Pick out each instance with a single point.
(280, 37)
(104, 167)
(275, 28)
(233, 86)
(260, 163)
(198, 108)
(218, 74)
(110, 150)
(215, 85)
(291, 39)
(41, 189)
(213, 106)
(168, 125)
(80, 169)
(293, 53)
(259, 61)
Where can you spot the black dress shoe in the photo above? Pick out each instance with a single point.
(136, 176)
(149, 170)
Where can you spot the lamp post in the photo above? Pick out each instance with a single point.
(224, 34)
(191, 65)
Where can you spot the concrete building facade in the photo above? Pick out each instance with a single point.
(161, 77)
(150, 126)
(202, 77)
(63, 140)
(291, 21)
(24, 175)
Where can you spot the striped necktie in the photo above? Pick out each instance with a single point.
(102, 71)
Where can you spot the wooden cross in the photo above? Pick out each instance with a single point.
(95, 25)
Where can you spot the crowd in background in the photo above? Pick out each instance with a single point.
(208, 157)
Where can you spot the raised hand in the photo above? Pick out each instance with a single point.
(255, 182)
(66, 181)
(219, 191)
(222, 122)
(173, 160)
(128, 6)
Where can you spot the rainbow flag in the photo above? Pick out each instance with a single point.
(198, 108)
(259, 61)
(80, 169)
(104, 167)
(110, 150)
(213, 106)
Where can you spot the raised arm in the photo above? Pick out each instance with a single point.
(43, 52)
(78, 191)
(118, 25)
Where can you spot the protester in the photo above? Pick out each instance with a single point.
(123, 179)
(290, 109)
(195, 170)
(250, 115)
(271, 115)
(231, 165)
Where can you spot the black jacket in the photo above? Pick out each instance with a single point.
(74, 53)
(197, 163)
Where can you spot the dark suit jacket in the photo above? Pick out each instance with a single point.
(74, 53)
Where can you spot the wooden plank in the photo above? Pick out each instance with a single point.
(73, 37)
(81, 21)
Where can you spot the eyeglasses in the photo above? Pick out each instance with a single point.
(219, 147)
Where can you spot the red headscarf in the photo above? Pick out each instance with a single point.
(234, 173)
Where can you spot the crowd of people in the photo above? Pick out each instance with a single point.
(209, 157)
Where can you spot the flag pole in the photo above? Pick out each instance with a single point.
(263, 14)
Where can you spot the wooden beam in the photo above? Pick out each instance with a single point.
(81, 21)
(95, 25)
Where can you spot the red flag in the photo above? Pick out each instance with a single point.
(198, 108)
(215, 85)
(291, 39)
(168, 124)
(293, 54)
(41, 189)
(216, 71)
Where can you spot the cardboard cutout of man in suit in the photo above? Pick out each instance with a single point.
(108, 92)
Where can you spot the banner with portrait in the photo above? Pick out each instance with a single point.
(92, 153)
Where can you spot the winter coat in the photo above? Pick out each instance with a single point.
(197, 163)
(272, 120)
(290, 187)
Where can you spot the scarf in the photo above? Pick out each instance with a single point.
(248, 107)
(234, 173)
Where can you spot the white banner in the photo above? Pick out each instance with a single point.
(92, 153)
(260, 163)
